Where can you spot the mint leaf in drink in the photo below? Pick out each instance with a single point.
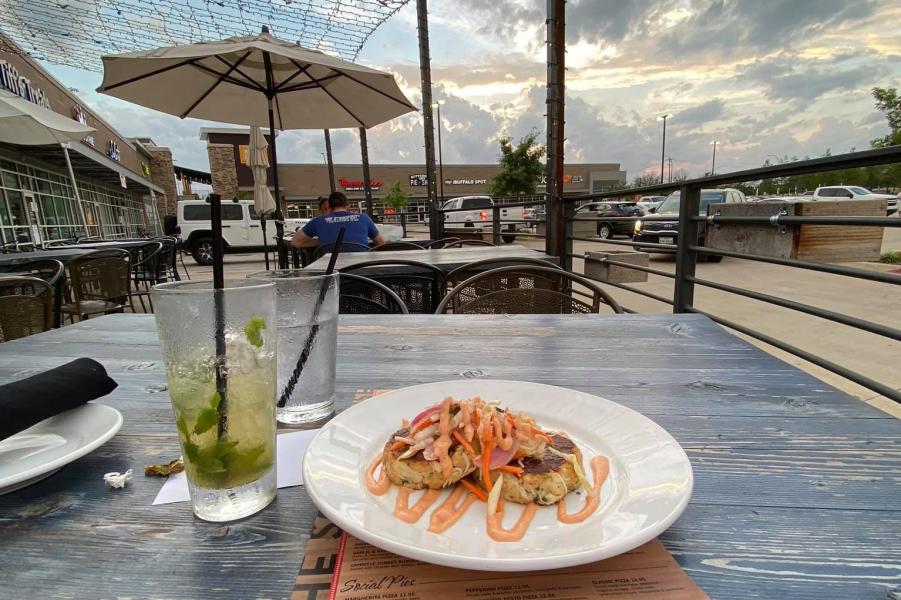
(205, 420)
(253, 331)
(182, 427)
(215, 400)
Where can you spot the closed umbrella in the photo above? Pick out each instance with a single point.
(262, 197)
(256, 80)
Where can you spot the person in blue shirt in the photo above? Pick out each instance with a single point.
(358, 228)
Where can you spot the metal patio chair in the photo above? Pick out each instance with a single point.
(100, 283)
(363, 296)
(527, 290)
(398, 245)
(26, 307)
(50, 270)
(420, 285)
(461, 243)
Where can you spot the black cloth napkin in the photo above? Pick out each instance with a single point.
(29, 401)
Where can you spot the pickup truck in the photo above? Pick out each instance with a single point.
(241, 228)
(855, 192)
(478, 213)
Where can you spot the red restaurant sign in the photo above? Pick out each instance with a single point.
(359, 185)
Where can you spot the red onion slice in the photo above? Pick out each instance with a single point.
(499, 457)
(424, 414)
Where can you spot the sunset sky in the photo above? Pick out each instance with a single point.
(762, 77)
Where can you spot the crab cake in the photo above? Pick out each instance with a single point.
(416, 472)
(546, 479)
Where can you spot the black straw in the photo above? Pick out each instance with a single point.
(314, 330)
(219, 308)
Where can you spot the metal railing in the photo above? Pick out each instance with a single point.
(689, 235)
(690, 232)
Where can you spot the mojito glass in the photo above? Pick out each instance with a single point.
(227, 427)
(298, 293)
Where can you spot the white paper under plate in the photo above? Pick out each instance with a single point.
(42, 449)
(649, 485)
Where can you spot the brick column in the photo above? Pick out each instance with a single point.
(162, 173)
(222, 169)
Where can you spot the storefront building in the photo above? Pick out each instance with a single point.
(118, 179)
(302, 184)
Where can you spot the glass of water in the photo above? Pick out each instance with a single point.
(307, 322)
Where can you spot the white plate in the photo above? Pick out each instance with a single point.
(649, 485)
(666, 240)
(43, 449)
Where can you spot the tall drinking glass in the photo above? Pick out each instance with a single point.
(307, 306)
(227, 426)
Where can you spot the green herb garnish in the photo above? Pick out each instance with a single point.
(208, 416)
(253, 331)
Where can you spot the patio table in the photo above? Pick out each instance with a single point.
(446, 259)
(61, 253)
(796, 483)
(121, 244)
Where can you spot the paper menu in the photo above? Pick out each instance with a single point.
(337, 566)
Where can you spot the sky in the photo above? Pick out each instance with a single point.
(765, 78)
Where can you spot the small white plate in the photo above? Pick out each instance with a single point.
(649, 485)
(42, 449)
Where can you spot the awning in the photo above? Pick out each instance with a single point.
(193, 175)
(90, 164)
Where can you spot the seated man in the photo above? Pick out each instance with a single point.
(358, 228)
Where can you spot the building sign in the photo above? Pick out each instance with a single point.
(122, 181)
(112, 150)
(359, 185)
(465, 181)
(79, 115)
(244, 154)
(418, 180)
(145, 169)
(542, 181)
(19, 85)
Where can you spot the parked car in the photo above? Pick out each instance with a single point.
(665, 230)
(607, 229)
(477, 212)
(241, 230)
(855, 192)
(649, 204)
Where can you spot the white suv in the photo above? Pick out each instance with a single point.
(855, 192)
(241, 228)
(478, 213)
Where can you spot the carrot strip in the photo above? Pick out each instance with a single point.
(463, 442)
(487, 447)
(397, 445)
(512, 469)
(474, 490)
(549, 439)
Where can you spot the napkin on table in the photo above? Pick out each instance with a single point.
(29, 401)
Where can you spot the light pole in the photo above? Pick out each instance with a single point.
(437, 107)
(713, 164)
(663, 147)
(669, 162)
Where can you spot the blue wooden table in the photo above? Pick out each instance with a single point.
(796, 484)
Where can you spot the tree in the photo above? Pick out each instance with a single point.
(520, 167)
(889, 102)
(645, 180)
(396, 198)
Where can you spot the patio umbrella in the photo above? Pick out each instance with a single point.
(26, 123)
(262, 198)
(256, 80)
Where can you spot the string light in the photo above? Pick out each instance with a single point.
(77, 32)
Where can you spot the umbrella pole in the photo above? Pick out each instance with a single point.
(279, 213)
(265, 241)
